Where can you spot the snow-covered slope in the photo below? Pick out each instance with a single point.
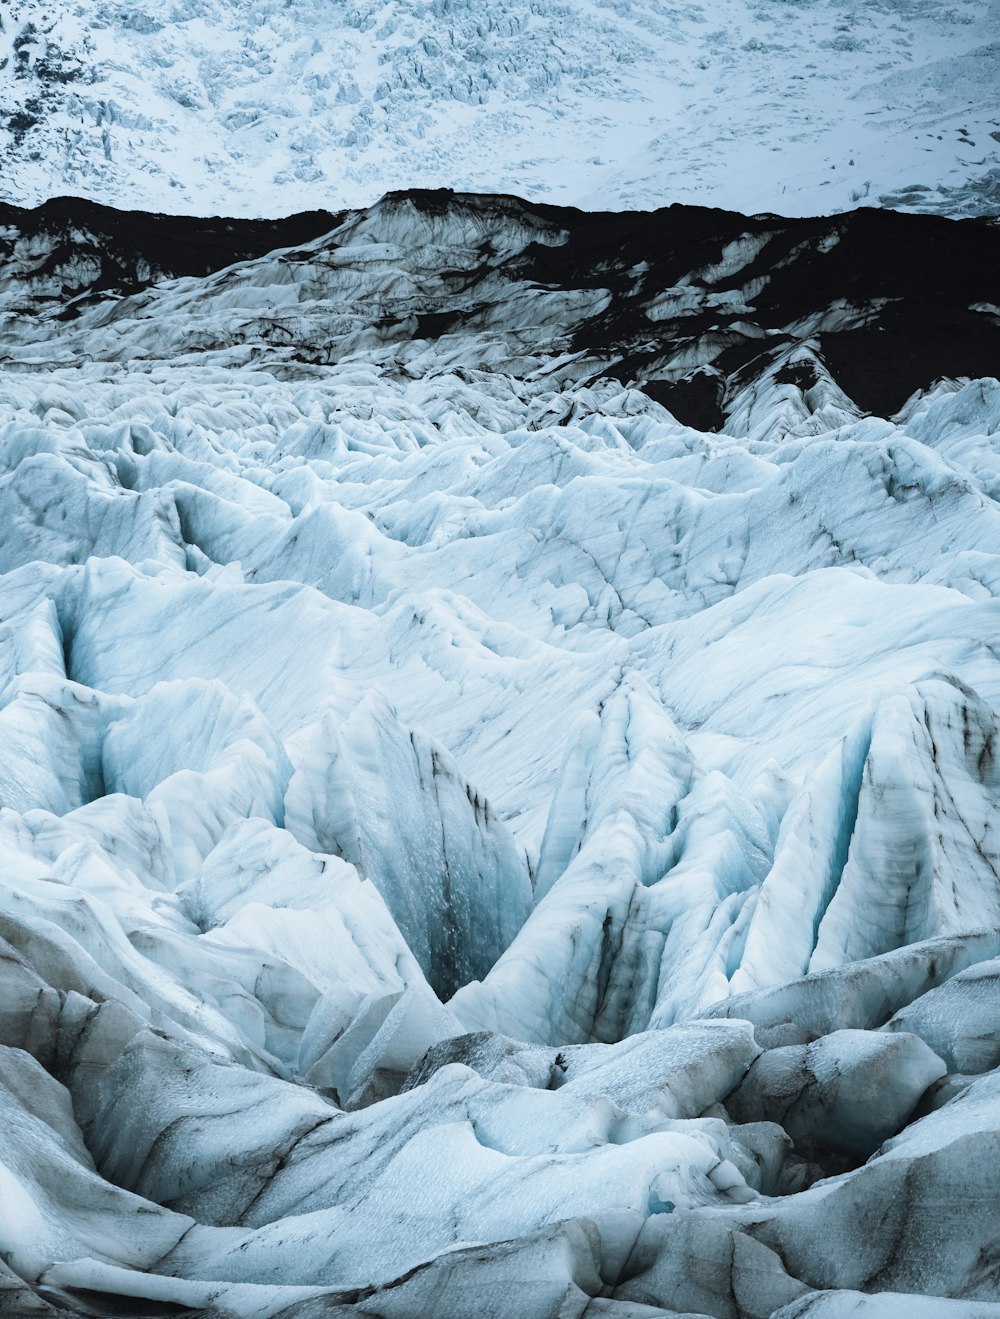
(793, 106)
(472, 842)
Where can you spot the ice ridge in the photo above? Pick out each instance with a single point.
(498, 764)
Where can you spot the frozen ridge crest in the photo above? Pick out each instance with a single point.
(498, 764)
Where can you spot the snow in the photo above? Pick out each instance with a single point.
(470, 839)
(213, 107)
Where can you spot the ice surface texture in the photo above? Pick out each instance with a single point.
(498, 765)
(233, 107)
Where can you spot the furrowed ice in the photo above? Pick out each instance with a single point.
(498, 764)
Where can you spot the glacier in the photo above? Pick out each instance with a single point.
(258, 107)
(499, 775)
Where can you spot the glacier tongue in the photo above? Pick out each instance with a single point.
(498, 781)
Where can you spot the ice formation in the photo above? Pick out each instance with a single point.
(258, 107)
(498, 765)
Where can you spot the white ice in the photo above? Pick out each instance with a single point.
(469, 841)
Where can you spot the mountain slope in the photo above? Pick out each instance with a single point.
(256, 109)
(698, 308)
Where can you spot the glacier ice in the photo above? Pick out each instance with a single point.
(232, 107)
(482, 828)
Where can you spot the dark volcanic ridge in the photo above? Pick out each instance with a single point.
(689, 304)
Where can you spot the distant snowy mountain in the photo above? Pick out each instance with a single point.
(499, 791)
(230, 107)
